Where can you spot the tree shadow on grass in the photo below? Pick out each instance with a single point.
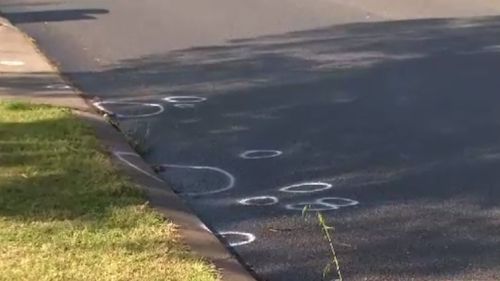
(52, 169)
(64, 206)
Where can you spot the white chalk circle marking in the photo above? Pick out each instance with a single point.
(230, 178)
(246, 238)
(12, 62)
(311, 206)
(306, 187)
(184, 105)
(184, 99)
(260, 154)
(259, 201)
(340, 202)
(159, 108)
(58, 87)
(323, 204)
(120, 155)
(205, 227)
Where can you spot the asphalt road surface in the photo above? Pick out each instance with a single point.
(383, 114)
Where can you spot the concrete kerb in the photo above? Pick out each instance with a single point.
(163, 199)
(161, 196)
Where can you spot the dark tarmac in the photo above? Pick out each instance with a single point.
(388, 125)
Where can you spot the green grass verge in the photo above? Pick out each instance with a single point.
(65, 213)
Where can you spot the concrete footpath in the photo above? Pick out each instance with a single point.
(27, 75)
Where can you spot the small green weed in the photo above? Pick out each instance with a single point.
(327, 231)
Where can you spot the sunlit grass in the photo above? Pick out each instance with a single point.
(65, 213)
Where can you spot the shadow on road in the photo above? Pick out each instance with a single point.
(54, 15)
(401, 116)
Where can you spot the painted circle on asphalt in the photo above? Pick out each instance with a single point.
(12, 62)
(58, 87)
(229, 184)
(236, 238)
(184, 99)
(311, 206)
(122, 156)
(260, 154)
(158, 108)
(337, 201)
(306, 187)
(184, 105)
(323, 204)
(259, 201)
(205, 227)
